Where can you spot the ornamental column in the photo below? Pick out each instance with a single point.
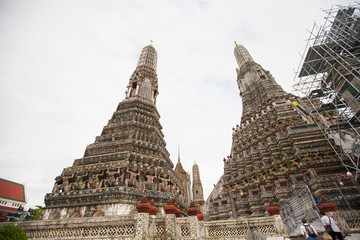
(142, 219)
(142, 226)
(170, 220)
(198, 196)
(274, 211)
(193, 222)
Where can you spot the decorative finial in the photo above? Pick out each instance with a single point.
(178, 153)
(235, 43)
(151, 42)
(194, 161)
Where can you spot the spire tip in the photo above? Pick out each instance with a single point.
(178, 153)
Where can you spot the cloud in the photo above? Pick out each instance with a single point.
(64, 66)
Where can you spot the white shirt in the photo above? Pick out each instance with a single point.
(326, 221)
(303, 230)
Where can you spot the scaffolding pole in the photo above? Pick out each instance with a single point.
(328, 82)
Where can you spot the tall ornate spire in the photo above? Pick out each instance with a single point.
(242, 55)
(198, 196)
(178, 153)
(276, 150)
(129, 156)
(257, 86)
(143, 82)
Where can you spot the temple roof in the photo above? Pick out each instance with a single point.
(179, 170)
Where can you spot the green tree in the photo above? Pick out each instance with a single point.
(36, 213)
(12, 232)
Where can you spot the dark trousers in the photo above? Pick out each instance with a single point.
(336, 234)
(313, 238)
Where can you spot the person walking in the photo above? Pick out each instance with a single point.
(331, 226)
(308, 231)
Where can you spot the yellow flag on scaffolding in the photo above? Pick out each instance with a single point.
(295, 103)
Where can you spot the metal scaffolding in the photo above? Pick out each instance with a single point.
(328, 82)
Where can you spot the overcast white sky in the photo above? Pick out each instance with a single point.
(64, 66)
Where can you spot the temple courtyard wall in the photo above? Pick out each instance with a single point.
(144, 226)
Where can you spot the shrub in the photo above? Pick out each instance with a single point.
(12, 232)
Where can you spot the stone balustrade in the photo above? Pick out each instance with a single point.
(104, 227)
(349, 221)
(240, 228)
(144, 226)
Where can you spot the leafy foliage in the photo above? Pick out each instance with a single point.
(12, 232)
(36, 213)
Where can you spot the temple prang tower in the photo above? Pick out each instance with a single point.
(143, 82)
(197, 190)
(256, 85)
(276, 150)
(128, 160)
(185, 177)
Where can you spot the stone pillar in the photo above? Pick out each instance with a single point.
(279, 225)
(232, 204)
(194, 228)
(152, 230)
(274, 211)
(170, 229)
(142, 226)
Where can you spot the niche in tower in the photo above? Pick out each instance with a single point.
(133, 89)
(155, 94)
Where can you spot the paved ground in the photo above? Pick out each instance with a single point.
(355, 236)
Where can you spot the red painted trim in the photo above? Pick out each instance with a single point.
(12, 190)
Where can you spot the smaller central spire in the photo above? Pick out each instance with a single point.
(198, 196)
(143, 82)
(148, 58)
(242, 55)
(257, 86)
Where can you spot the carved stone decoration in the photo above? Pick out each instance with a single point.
(199, 215)
(112, 177)
(326, 206)
(178, 211)
(81, 181)
(170, 208)
(153, 210)
(276, 149)
(67, 179)
(128, 159)
(192, 210)
(143, 206)
(272, 209)
(58, 185)
(94, 179)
